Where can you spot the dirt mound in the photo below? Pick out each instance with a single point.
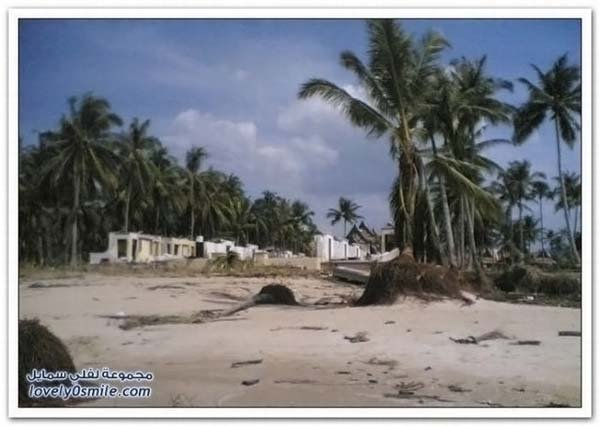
(39, 348)
(405, 277)
(276, 294)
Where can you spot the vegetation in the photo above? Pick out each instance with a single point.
(87, 178)
(346, 212)
(445, 202)
(450, 202)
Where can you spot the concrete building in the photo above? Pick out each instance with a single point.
(330, 248)
(141, 248)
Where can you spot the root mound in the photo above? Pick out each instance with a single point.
(403, 276)
(275, 294)
(39, 348)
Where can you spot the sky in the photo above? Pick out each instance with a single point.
(231, 86)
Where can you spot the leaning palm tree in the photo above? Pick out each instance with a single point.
(557, 95)
(541, 191)
(397, 71)
(79, 153)
(137, 167)
(193, 162)
(346, 212)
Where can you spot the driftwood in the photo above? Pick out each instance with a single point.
(569, 333)
(275, 294)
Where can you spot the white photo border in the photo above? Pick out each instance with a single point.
(584, 14)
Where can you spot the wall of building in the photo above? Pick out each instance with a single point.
(148, 248)
(328, 248)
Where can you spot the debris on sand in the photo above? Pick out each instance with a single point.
(359, 337)
(527, 342)
(296, 382)
(553, 404)
(250, 382)
(570, 333)
(128, 322)
(390, 363)
(404, 276)
(165, 287)
(272, 294)
(40, 349)
(243, 363)
(491, 335)
(409, 388)
(342, 372)
(304, 327)
(389, 322)
(456, 388)
(472, 340)
(42, 285)
(408, 391)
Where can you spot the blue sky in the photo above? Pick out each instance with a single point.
(230, 86)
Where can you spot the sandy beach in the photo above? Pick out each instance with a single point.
(307, 354)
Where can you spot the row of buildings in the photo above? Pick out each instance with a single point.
(361, 243)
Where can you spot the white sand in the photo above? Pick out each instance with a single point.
(192, 362)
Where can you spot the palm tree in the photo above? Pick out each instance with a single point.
(557, 95)
(80, 154)
(393, 81)
(137, 167)
(346, 211)
(193, 161)
(168, 196)
(520, 179)
(573, 189)
(540, 190)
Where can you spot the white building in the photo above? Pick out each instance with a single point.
(137, 247)
(329, 248)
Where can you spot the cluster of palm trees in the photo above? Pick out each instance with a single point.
(517, 186)
(435, 116)
(89, 177)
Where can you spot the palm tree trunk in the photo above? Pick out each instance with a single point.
(542, 228)
(446, 210)
(157, 220)
(127, 203)
(75, 224)
(576, 217)
(564, 196)
(461, 232)
(521, 239)
(471, 231)
(435, 233)
(344, 228)
(191, 206)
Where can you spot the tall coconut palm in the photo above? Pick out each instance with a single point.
(346, 212)
(193, 161)
(520, 179)
(393, 82)
(137, 167)
(541, 191)
(557, 96)
(80, 155)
